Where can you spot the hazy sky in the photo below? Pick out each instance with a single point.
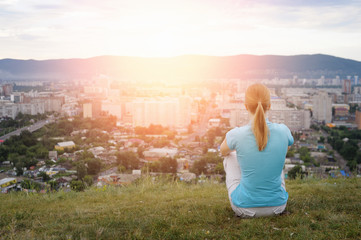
(44, 29)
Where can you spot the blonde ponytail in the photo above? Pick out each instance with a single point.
(259, 127)
(258, 101)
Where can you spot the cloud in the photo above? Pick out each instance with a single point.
(308, 3)
(205, 26)
(48, 6)
(28, 37)
(5, 33)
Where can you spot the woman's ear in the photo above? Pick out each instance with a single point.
(246, 107)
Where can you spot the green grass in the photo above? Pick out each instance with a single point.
(319, 209)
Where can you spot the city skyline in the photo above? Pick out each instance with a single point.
(81, 29)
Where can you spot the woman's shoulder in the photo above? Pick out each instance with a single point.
(279, 126)
(240, 129)
(280, 129)
(235, 135)
(237, 131)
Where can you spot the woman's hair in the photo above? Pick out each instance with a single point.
(258, 101)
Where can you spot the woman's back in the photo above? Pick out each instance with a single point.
(260, 184)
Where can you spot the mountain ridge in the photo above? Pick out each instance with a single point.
(185, 66)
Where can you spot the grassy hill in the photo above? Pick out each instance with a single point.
(319, 209)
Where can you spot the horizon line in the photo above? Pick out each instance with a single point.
(176, 56)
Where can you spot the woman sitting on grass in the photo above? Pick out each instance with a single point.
(254, 175)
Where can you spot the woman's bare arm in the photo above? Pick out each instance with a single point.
(224, 148)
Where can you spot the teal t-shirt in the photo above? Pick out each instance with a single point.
(260, 184)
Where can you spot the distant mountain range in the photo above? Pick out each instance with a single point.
(182, 67)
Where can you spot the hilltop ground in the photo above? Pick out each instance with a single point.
(319, 209)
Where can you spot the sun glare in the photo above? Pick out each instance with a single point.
(162, 45)
(158, 33)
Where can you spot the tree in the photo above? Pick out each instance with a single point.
(54, 185)
(190, 129)
(94, 166)
(353, 108)
(19, 168)
(330, 140)
(21, 149)
(154, 167)
(140, 151)
(290, 153)
(199, 166)
(88, 180)
(295, 171)
(28, 184)
(161, 143)
(81, 170)
(13, 158)
(219, 169)
(40, 151)
(168, 165)
(140, 130)
(65, 127)
(77, 185)
(4, 151)
(313, 126)
(86, 155)
(121, 168)
(211, 135)
(205, 150)
(155, 129)
(44, 176)
(348, 151)
(128, 159)
(305, 155)
(358, 157)
(338, 144)
(303, 151)
(225, 121)
(211, 157)
(170, 134)
(27, 138)
(352, 164)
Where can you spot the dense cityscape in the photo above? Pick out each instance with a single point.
(75, 134)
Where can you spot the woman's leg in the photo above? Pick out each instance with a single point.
(233, 172)
(283, 184)
(233, 178)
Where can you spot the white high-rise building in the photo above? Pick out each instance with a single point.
(294, 119)
(171, 112)
(32, 108)
(87, 110)
(322, 107)
(9, 109)
(112, 108)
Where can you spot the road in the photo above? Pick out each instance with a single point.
(30, 128)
